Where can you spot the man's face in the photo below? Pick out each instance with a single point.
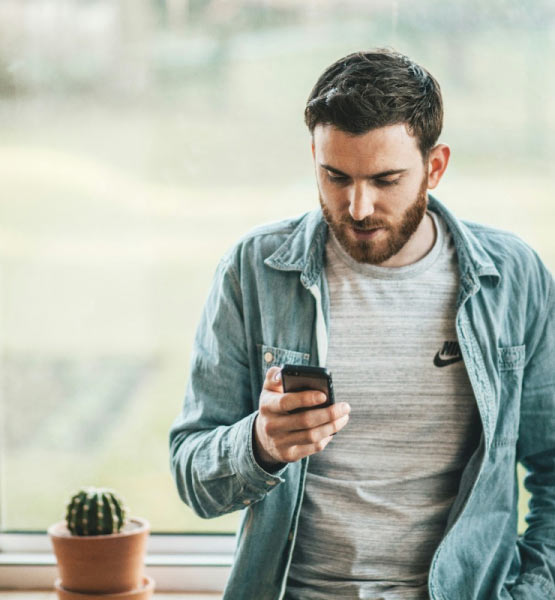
(372, 189)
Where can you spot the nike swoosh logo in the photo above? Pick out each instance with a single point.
(440, 362)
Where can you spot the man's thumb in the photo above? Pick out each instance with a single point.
(273, 379)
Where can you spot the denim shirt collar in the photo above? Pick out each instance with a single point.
(304, 250)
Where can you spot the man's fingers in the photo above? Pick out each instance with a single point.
(273, 381)
(284, 425)
(283, 435)
(317, 434)
(299, 400)
(295, 453)
(310, 441)
(308, 419)
(284, 404)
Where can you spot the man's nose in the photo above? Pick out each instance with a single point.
(361, 203)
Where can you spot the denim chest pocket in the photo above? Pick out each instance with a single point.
(510, 361)
(272, 356)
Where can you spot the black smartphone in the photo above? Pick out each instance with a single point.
(300, 378)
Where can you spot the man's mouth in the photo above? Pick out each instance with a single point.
(366, 234)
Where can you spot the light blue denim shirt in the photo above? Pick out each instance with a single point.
(269, 305)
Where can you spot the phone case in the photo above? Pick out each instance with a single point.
(300, 378)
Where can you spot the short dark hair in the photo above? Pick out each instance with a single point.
(367, 90)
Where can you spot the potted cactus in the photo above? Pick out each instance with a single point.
(99, 550)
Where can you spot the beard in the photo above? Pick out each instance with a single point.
(396, 235)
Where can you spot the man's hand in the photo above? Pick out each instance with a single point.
(279, 436)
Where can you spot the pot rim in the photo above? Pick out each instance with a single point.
(60, 530)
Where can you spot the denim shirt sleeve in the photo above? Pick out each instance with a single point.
(211, 453)
(536, 452)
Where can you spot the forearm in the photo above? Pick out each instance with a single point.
(215, 470)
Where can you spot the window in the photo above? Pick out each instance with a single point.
(140, 140)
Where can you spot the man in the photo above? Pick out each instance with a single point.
(440, 338)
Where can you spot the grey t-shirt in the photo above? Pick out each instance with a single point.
(378, 496)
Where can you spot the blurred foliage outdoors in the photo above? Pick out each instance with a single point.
(140, 139)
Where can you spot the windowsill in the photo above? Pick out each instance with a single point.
(177, 563)
(197, 576)
(51, 595)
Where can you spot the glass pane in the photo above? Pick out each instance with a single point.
(139, 140)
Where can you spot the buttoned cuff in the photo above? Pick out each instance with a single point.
(245, 463)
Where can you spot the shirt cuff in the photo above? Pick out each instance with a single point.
(247, 467)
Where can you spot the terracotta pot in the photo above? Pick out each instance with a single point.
(143, 592)
(101, 563)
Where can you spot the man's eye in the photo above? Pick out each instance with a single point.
(387, 182)
(337, 178)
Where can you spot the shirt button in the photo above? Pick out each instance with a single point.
(247, 502)
(271, 482)
(268, 357)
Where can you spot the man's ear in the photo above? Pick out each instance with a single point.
(437, 163)
(312, 148)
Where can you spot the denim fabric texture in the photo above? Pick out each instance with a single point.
(269, 304)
